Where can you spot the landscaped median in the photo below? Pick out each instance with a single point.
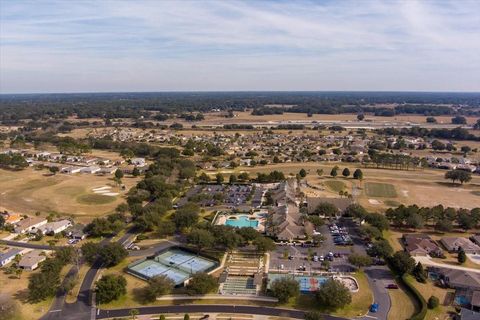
(420, 315)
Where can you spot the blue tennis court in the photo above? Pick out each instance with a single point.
(176, 264)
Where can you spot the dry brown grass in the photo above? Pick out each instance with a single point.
(422, 187)
(29, 191)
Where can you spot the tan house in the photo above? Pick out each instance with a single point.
(421, 245)
(31, 260)
(453, 244)
(29, 224)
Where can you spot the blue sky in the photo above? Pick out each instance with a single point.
(100, 46)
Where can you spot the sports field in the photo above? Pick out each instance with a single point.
(29, 191)
(382, 188)
(177, 265)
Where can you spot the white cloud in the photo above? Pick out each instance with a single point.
(230, 45)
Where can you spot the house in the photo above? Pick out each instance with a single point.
(90, 160)
(453, 244)
(458, 279)
(340, 203)
(54, 227)
(138, 162)
(11, 218)
(70, 170)
(76, 232)
(31, 260)
(475, 301)
(421, 245)
(29, 224)
(466, 314)
(476, 239)
(91, 169)
(8, 256)
(108, 170)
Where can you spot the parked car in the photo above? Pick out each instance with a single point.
(392, 286)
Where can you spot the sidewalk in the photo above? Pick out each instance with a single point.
(217, 297)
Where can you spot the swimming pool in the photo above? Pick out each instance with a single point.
(242, 222)
(462, 300)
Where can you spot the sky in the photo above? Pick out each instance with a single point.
(115, 46)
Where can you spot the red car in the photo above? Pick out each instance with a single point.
(392, 286)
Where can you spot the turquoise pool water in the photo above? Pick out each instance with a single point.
(242, 222)
(462, 300)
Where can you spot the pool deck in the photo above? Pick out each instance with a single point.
(223, 217)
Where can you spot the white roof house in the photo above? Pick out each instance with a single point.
(29, 224)
(138, 161)
(71, 170)
(91, 169)
(55, 227)
(8, 256)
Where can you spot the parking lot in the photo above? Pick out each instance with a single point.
(297, 254)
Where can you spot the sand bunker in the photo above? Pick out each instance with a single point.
(373, 201)
(105, 191)
(101, 188)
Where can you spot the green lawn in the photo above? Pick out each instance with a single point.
(95, 199)
(380, 190)
(335, 185)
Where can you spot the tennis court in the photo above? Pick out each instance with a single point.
(176, 264)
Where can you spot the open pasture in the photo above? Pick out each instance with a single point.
(29, 191)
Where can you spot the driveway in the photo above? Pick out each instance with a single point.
(427, 261)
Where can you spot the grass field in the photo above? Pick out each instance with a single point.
(18, 290)
(430, 289)
(361, 300)
(402, 307)
(424, 187)
(92, 199)
(335, 185)
(380, 190)
(29, 191)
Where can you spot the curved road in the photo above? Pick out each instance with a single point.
(378, 279)
(82, 308)
(267, 311)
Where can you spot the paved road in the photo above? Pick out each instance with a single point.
(268, 311)
(378, 278)
(82, 308)
(29, 245)
(151, 251)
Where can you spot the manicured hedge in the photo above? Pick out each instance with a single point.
(423, 304)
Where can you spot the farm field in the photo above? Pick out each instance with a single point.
(29, 191)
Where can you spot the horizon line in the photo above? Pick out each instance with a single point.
(236, 91)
